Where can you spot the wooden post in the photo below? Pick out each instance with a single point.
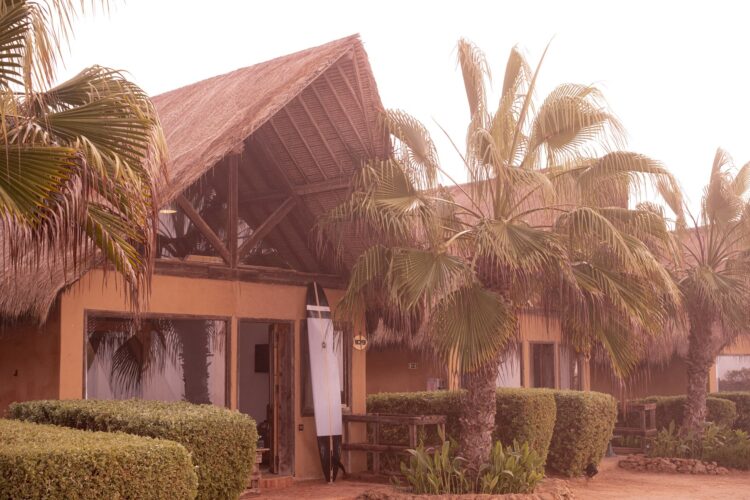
(376, 454)
(412, 435)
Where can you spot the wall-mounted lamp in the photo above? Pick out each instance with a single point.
(168, 209)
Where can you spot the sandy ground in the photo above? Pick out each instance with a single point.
(615, 483)
(611, 483)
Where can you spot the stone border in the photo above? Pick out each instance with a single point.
(548, 489)
(642, 463)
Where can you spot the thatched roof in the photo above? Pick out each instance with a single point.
(207, 120)
(301, 123)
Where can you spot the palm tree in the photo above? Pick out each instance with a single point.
(543, 221)
(713, 275)
(79, 159)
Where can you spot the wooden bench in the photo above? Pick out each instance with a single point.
(376, 448)
(646, 428)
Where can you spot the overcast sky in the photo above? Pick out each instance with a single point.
(676, 73)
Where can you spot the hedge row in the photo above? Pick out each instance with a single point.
(221, 442)
(741, 401)
(527, 415)
(46, 461)
(570, 429)
(671, 408)
(583, 429)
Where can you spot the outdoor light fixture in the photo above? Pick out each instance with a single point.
(169, 209)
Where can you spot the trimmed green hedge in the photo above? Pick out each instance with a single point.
(527, 415)
(46, 461)
(671, 408)
(741, 401)
(570, 429)
(583, 429)
(221, 442)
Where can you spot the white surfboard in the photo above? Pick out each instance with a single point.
(326, 385)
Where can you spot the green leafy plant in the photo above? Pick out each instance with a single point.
(670, 443)
(727, 447)
(513, 469)
(438, 471)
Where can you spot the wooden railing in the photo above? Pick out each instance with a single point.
(376, 448)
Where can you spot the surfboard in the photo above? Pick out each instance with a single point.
(326, 386)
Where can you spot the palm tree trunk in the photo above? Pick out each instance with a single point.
(700, 359)
(478, 419)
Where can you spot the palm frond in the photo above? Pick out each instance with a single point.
(474, 323)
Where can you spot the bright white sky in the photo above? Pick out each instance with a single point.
(676, 73)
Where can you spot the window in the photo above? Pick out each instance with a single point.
(543, 365)
(342, 346)
(570, 369)
(510, 371)
(733, 372)
(165, 359)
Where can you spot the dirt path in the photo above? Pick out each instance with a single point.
(611, 483)
(615, 483)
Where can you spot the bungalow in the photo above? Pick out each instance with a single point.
(255, 156)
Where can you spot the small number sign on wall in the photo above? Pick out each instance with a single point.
(360, 342)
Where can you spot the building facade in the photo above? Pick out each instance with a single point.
(255, 156)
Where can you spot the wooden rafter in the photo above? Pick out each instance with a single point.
(309, 262)
(288, 152)
(255, 216)
(335, 126)
(304, 141)
(356, 97)
(346, 113)
(271, 222)
(355, 63)
(332, 184)
(204, 228)
(323, 139)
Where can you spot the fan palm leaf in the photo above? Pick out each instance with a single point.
(80, 159)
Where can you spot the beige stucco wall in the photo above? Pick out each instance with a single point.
(29, 361)
(204, 297)
(388, 371)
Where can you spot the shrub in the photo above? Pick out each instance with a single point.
(511, 469)
(741, 401)
(583, 429)
(221, 442)
(727, 447)
(721, 412)
(527, 415)
(45, 461)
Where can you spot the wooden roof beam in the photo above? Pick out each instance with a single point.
(204, 228)
(311, 262)
(262, 231)
(357, 98)
(320, 133)
(346, 113)
(354, 157)
(304, 142)
(333, 184)
(288, 152)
